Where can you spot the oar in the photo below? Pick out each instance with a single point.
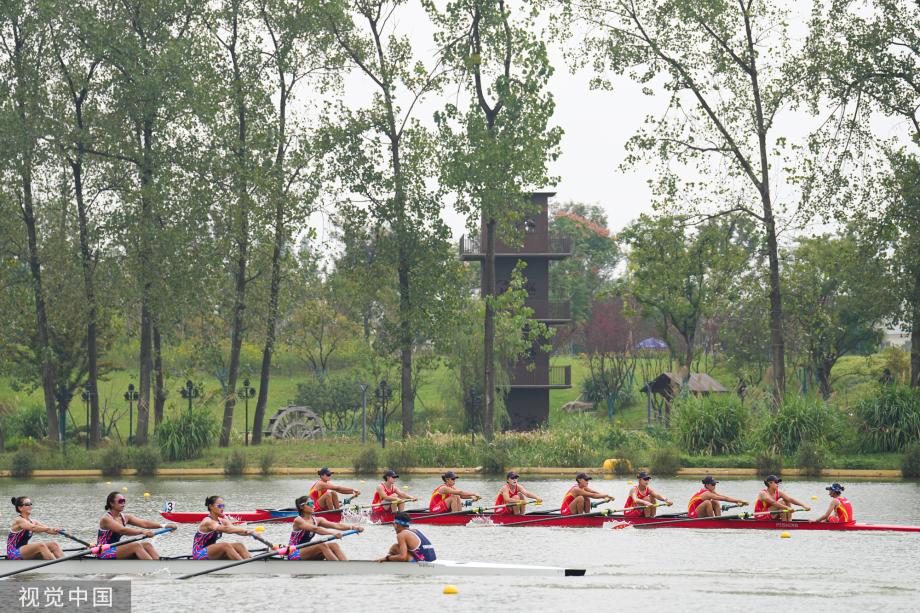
(262, 540)
(593, 506)
(470, 511)
(63, 532)
(383, 503)
(557, 517)
(271, 553)
(85, 552)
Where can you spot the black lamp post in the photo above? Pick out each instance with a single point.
(87, 395)
(246, 392)
(63, 396)
(474, 398)
(131, 396)
(190, 392)
(383, 393)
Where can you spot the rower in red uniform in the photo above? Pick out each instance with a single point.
(211, 528)
(705, 503)
(446, 498)
(772, 503)
(578, 499)
(388, 497)
(325, 495)
(641, 498)
(23, 527)
(512, 498)
(114, 525)
(306, 526)
(840, 510)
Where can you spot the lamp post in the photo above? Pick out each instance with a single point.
(474, 398)
(131, 396)
(364, 387)
(246, 392)
(63, 397)
(383, 393)
(87, 395)
(190, 392)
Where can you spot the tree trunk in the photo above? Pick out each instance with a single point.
(823, 371)
(159, 392)
(915, 333)
(407, 394)
(488, 286)
(776, 309)
(146, 279)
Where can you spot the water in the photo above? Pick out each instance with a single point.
(667, 570)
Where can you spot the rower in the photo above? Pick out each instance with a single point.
(387, 492)
(306, 525)
(446, 498)
(641, 499)
(212, 528)
(705, 503)
(114, 525)
(411, 545)
(578, 499)
(22, 529)
(773, 503)
(325, 495)
(513, 497)
(840, 510)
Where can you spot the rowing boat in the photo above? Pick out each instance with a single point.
(90, 566)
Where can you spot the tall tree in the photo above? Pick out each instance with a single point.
(709, 59)
(497, 149)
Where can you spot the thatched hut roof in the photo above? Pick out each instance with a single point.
(669, 384)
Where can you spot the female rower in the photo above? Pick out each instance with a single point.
(840, 510)
(772, 503)
(307, 525)
(641, 498)
(22, 529)
(411, 545)
(388, 497)
(446, 498)
(512, 497)
(211, 528)
(705, 503)
(325, 494)
(114, 525)
(578, 499)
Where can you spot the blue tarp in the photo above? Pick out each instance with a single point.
(652, 343)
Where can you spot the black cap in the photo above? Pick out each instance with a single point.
(643, 475)
(324, 471)
(511, 475)
(582, 476)
(835, 487)
(708, 480)
(390, 473)
(448, 475)
(772, 479)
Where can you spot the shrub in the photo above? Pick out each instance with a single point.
(665, 461)
(493, 457)
(800, 419)
(266, 461)
(710, 424)
(910, 462)
(811, 458)
(629, 461)
(146, 460)
(399, 456)
(113, 461)
(366, 461)
(889, 421)
(333, 397)
(768, 463)
(186, 434)
(235, 463)
(23, 464)
(30, 422)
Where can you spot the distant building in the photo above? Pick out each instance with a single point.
(896, 338)
(528, 399)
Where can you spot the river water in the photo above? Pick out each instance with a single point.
(665, 570)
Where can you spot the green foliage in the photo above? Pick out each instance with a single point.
(800, 419)
(30, 421)
(812, 458)
(146, 460)
(493, 457)
(714, 424)
(910, 462)
(665, 461)
(366, 461)
(400, 455)
(266, 461)
(235, 464)
(22, 464)
(890, 420)
(186, 435)
(768, 463)
(113, 461)
(334, 397)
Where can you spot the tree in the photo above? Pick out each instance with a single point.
(610, 351)
(710, 59)
(498, 148)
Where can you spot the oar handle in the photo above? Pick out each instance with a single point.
(73, 538)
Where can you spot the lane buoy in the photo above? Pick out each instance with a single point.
(814, 497)
(451, 589)
(108, 483)
(146, 494)
(124, 489)
(260, 529)
(785, 535)
(629, 483)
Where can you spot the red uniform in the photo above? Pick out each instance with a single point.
(695, 502)
(630, 503)
(761, 508)
(314, 493)
(567, 500)
(501, 500)
(438, 502)
(843, 514)
(375, 503)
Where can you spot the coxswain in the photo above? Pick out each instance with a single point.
(411, 545)
(641, 499)
(22, 529)
(446, 498)
(705, 503)
(840, 510)
(773, 503)
(387, 496)
(325, 494)
(306, 526)
(114, 525)
(212, 528)
(512, 498)
(577, 499)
